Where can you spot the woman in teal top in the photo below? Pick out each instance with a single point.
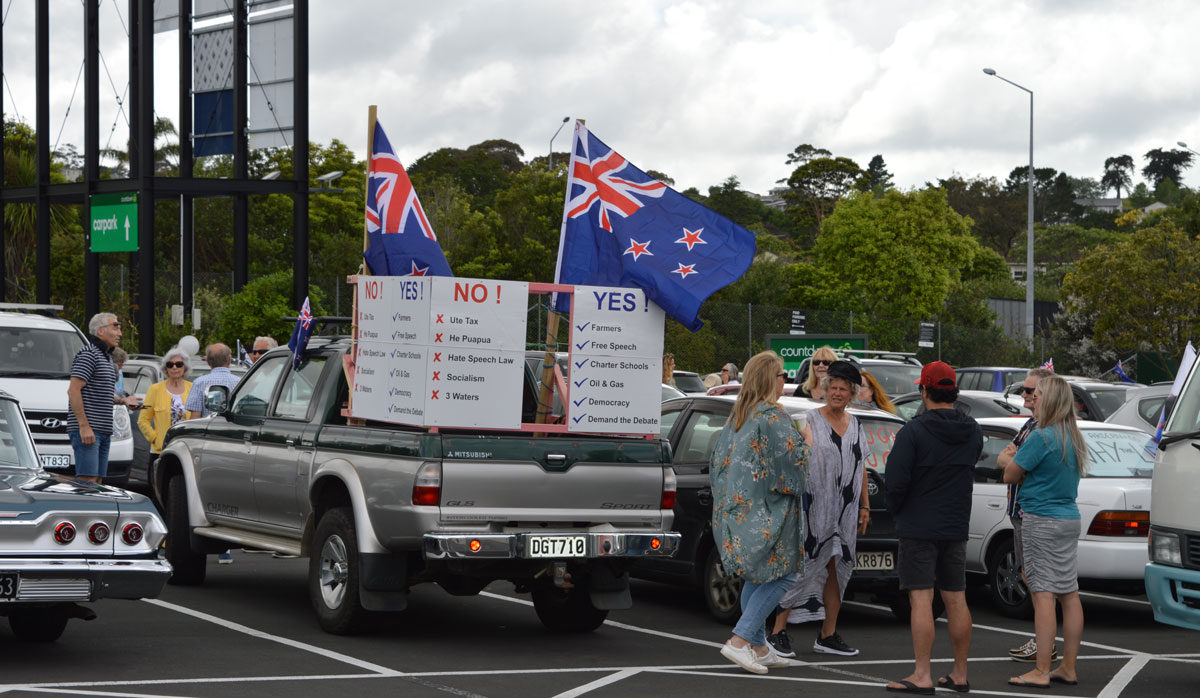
(758, 473)
(1049, 465)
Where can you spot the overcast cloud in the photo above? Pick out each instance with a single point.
(706, 89)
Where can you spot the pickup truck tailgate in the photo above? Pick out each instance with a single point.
(531, 481)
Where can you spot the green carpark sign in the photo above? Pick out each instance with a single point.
(114, 222)
(795, 348)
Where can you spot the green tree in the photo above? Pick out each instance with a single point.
(1142, 292)
(997, 213)
(817, 185)
(1166, 164)
(481, 170)
(804, 153)
(877, 178)
(897, 257)
(259, 307)
(1118, 173)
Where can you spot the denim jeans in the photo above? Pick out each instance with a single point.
(758, 600)
(90, 460)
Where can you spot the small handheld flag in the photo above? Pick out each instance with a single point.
(1049, 365)
(1119, 369)
(300, 334)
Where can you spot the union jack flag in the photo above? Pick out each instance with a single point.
(300, 334)
(622, 227)
(1049, 365)
(400, 240)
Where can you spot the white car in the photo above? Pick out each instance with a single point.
(1114, 508)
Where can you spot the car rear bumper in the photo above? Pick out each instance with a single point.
(441, 546)
(1174, 594)
(59, 580)
(1116, 559)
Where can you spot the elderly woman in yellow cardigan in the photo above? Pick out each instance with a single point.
(164, 401)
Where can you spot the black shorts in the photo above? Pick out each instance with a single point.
(924, 564)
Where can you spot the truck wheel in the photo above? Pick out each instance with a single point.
(189, 565)
(722, 592)
(333, 574)
(902, 609)
(566, 610)
(38, 624)
(1008, 591)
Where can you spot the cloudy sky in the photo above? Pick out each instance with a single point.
(706, 89)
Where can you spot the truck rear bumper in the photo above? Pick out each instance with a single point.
(529, 546)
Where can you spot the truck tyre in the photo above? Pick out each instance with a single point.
(333, 574)
(189, 566)
(901, 608)
(722, 592)
(38, 624)
(567, 610)
(1008, 591)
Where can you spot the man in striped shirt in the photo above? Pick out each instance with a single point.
(91, 396)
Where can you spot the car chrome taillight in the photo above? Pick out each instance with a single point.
(99, 533)
(132, 533)
(1120, 523)
(64, 532)
(427, 490)
(668, 490)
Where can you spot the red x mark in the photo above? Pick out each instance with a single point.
(437, 375)
(437, 357)
(434, 395)
(439, 320)
(438, 338)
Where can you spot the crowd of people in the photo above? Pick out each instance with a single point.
(791, 496)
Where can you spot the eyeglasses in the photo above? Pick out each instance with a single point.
(175, 364)
(781, 375)
(257, 351)
(821, 362)
(1027, 391)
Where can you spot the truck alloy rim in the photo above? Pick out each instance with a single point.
(335, 570)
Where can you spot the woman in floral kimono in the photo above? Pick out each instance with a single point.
(758, 472)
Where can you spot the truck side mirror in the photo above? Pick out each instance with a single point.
(216, 399)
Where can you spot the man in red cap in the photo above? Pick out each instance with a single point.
(929, 479)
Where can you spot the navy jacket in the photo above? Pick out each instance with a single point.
(930, 473)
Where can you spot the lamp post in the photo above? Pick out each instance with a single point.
(1029, 216)
(1183, 145)
(550, 164)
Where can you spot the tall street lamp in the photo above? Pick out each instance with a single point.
(1029, 216)
(1183, 145)
(564, 123)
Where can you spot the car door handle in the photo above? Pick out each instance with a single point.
(995, 505)
(290, 441)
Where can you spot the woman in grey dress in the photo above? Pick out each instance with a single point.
(836, 512)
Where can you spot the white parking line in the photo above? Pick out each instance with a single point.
(598, 683)
(1124, 676)
(238, 627)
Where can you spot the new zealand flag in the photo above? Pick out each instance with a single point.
(622, 227)
(400, 241)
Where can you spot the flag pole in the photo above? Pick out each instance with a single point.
(348, 365)
(546, 395)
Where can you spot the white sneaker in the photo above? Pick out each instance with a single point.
(771, 659)
(743, 657)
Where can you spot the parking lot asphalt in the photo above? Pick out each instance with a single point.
(250, 631)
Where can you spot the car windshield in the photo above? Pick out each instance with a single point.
(689, 384)
(1113, 453)
(37, 353)
(1107, 399)
(16, 451)
(896, 379)
(880, 434)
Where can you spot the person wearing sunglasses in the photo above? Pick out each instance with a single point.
(261, 346)
(818, 368)
(165, 400)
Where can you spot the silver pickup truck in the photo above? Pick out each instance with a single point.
(380, 507)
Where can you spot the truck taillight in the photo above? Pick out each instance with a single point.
(427, 490)
(668, 491)
(1120, 523)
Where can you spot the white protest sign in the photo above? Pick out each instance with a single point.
(616, 361)
(389, 382)
(393, 309)
(474, 388)
(478, 313)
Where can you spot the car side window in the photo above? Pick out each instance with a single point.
(254, 393)
(987, 469)
(1150, 409)
(667, 421)
(699, 437)
(908, 410)
(298, 386)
